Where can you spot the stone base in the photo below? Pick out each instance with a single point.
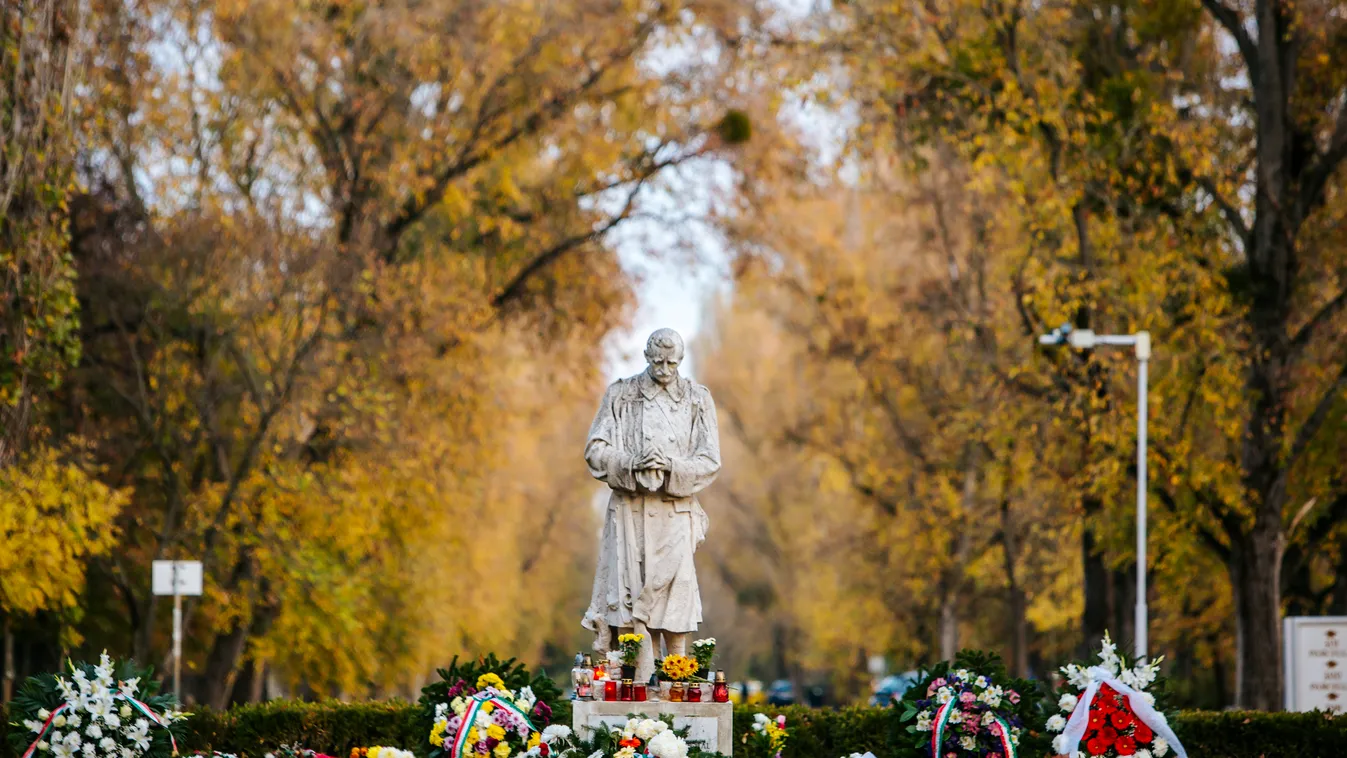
(711, 724)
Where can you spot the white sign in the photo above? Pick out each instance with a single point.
(177, 577)
(1315, 662)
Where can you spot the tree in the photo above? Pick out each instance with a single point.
(349, 260)
(54, 516)
(1132, 130)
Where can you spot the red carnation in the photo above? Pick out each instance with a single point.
(1125, 745)
(1142, 733)
(1107, 736)
(1121, 719)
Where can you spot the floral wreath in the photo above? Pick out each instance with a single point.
(1111, 712)
(101, 711)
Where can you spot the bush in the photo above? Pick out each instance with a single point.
(335, 728)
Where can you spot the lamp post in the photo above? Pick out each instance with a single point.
(1082, 339)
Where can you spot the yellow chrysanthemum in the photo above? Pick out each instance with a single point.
(679, 667)
(488, 707)
(495, 731)
(373, 752)
(625, 638)
(437, 732)
(472, 736)
(502, 750)
(534, 739)
(490, 680)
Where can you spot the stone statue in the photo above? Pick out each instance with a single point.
(654, 442)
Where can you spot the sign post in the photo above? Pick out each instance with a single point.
(177, 578)
(1315, 663)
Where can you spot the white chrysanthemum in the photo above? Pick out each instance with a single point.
(1067, 702)
(72, 739)
(955, 716)
(1056, 723)
(666, 744)
(74, 721)
(459, 705)
(108, 744)
(1159, 747)
(112, 720)
(1148, 697)
(556, 732)
(647, 729)
(1142, 753)
(93, 732)
(967, 742)
(1059, 744)
(943, 695)
(988, 718)
(924, 721)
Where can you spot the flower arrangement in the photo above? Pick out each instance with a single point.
(101, 711)
(501, 693)
(380, 752)
(630, 645)
(293, 750)
(678, 668)
(486, 718)
(704, 651)
(970, 707)
(769, 735)
(212, 754)
(1110, 712)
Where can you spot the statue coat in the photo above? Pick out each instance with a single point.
(653, 523)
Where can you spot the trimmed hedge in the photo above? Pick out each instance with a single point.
(335, 728)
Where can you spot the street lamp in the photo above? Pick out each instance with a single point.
(1083, 339)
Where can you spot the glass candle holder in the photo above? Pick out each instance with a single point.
(640, 692)
(720, 692)
(626, 693)
(609, 690)
(694, 692)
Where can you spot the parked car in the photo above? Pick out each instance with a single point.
(892, 688)
(782, 692)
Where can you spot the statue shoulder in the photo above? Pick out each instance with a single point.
(701, 396)
(626, 388)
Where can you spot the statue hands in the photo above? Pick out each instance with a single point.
(653, 460)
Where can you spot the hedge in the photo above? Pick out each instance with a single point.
(335, 728)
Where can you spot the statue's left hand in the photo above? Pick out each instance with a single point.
(653, 460)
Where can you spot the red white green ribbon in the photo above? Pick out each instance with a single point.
(136, 704)
(938, 726)
(42, 733)
(1007, 745)
(470, 719)
(941, 721)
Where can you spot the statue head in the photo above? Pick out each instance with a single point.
(663, 354)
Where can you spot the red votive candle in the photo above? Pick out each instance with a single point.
(610, 690)
(640, 692)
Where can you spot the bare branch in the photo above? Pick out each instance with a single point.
(1230, 19)
(1306, 333)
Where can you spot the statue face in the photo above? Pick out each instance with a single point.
(664, 362)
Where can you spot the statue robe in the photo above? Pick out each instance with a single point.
(654, 524)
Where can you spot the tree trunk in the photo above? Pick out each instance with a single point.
(8, 687)
(1095, 615)
(1255, 574)
(1016, 621)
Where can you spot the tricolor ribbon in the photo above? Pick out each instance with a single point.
(41, 733)
(941, 721)
(470, 718)
(136, 704)
(1080, 717)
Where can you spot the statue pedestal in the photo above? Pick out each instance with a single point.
(711, 724)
